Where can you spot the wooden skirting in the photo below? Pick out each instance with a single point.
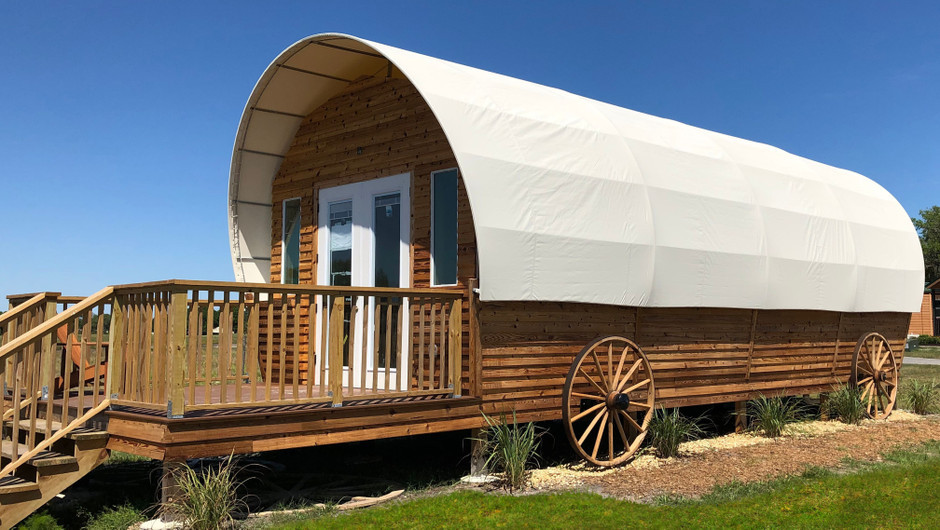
(250, 431)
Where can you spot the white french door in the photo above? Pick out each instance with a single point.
(364, 232)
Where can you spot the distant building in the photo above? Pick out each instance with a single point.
(927, 320)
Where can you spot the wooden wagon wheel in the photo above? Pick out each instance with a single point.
(875, 373)
(608, 400)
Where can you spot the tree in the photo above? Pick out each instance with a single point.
(928, 228)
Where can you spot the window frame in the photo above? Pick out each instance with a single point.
(284, 236)
(456, 170)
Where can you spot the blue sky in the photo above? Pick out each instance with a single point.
(117, 119)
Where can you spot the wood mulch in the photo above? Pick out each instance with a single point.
(748, 459)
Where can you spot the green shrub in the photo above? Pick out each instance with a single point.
(40, 521)
(921, 396)
(207, 499)
(770, 415)
(845, 403)
(927, 340)
(510, 449)
(117, 518)
(669, 429)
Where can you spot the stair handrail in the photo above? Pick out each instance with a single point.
(61, 433)
(36, 334)
(26, 306)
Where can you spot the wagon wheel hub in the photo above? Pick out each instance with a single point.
(618, 401)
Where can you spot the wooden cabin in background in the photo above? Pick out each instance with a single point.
(417, 243)
(927, 320)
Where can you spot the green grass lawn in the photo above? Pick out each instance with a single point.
(903, 492)
(927, 352)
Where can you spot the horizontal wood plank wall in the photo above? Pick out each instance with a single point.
(698, 355)
(922, 321)
(397, 133)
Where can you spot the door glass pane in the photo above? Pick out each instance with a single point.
(444, 228)
(387, 233)
(341, 243)
(291, 242)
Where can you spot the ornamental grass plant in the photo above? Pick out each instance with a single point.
(668, 429)
(510, 448)
(845, 404)
(206, 499)
(921, 396)
(771, 415)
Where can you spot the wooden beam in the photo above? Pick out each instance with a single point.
(176, 384)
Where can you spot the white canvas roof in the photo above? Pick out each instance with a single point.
(580, 201)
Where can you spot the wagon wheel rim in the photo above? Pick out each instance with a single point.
(612, 378)
(875, 374)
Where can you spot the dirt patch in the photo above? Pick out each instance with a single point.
(707, 463)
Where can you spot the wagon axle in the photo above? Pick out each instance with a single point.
(618, 401)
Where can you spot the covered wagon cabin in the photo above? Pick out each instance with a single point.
(417, 242)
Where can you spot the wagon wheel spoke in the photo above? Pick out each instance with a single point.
(592, 381)
(597, 363)
(629, 375)
(623, 434)
(600, 434)
(588, 411)
(638, 385)
(632, 422)
(595, 397)
(623, 357)
(590, 427)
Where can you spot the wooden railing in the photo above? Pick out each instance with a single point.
(51, 386)
(183, 346)
(180, 346)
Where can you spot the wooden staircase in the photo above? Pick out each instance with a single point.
(49, 472)
(51, 435)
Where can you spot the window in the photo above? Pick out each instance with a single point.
(290, 242)
(444, 227)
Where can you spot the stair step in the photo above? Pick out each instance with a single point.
(80, 434)
(10, 485)
(43, 459)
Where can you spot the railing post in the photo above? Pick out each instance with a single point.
(475, 372)
(177, 358)
(336, 349)
(455, 346)
(115, 349)
(47, 356)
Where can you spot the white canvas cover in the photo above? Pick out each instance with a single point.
(576, 200)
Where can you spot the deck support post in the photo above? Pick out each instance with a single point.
(475, 372)
(169, 487)
(478, 451)
(177, 351)
(48, 357)
(740, 416)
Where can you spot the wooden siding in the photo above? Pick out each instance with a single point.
(922, 321)
(376, 128)
(698, 355)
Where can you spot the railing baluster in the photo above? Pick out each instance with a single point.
(364, 351)
(269, 348)
(192, 345)
(253, 336)
(336, 349)
(282, 344)
(376, 342)
(225, 346)
(351, 342)
(295, 348)
(323, 358)
(441, 352)
(311, 343)
(432, 347)
(210, 344)
(240, 347)
(388, 344)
